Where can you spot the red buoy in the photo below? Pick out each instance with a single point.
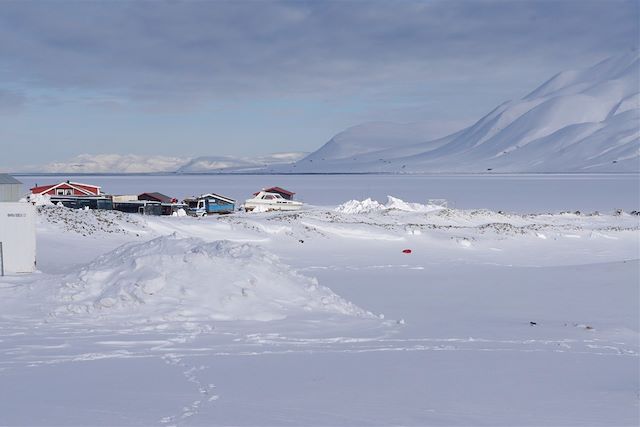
(406, 251)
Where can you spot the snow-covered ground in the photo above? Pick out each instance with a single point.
(318, 317)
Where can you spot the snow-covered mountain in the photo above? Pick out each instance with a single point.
(226, 163)
(578, 121)
(376, 136)
(133, 163)
(111, 163)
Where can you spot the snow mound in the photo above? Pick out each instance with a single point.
(368, 205)
(92, 222)
(360, 206)
(401, 205)
(40, 199)
(172, 279)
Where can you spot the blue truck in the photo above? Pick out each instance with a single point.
(210, 204)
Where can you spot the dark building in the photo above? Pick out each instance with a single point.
(156, 197)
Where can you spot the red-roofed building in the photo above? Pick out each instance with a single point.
(281, 191)
(67, 188)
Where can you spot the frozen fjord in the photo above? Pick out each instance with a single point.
(523, 193)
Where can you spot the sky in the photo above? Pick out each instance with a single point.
(246, 78)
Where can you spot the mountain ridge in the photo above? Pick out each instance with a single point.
(576, 121)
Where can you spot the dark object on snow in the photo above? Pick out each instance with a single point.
(406, 251)
(636, 213)
(301, 241)
(618, 212)
(533, 323)
(501, 212)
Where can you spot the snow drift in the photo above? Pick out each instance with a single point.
(171, 279)
(38, 199)
(578, 121)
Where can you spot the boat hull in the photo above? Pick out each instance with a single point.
(250, 206)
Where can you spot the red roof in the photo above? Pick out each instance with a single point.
(42, 188)
(277, 190)
(82, 188)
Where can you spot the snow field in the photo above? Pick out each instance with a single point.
(132, 329)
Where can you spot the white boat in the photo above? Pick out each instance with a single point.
(265, 201)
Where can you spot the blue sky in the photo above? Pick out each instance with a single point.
(253, 77)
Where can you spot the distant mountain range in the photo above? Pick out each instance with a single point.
(246, 164)
(131, 163)
(578, 121)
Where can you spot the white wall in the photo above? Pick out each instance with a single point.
(125, 198)
(10, 192)
(18, 237)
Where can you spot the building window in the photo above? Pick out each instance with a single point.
(64, 192)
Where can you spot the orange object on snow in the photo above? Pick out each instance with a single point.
(406, 251)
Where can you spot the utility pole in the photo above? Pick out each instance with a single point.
(1, 261)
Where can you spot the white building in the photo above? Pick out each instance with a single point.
(17, 229)
(10, 188)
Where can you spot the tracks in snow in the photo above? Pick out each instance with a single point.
(193, 352)
(205, 390)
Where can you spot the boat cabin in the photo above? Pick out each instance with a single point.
(286, 194)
